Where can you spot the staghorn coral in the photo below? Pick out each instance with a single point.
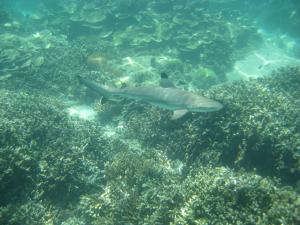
(197, 34)
(149, 170)
(257, 129)
(220, 196)
(67, 171)
(206, 195)
(44, 155)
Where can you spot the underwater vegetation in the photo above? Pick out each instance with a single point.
(130, 163)
(154, 193)
(43, 157)
(191, 33)
(257, 130)
(56, 170)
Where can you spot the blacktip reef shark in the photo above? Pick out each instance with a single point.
(165, 96)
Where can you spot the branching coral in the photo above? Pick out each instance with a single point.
(255, 130)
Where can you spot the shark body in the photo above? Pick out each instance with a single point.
(170, 98)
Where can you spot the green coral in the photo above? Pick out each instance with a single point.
(136, 166)
(67, 171)
(220, 196)
(136, 186)
(44, 155)
(206, 195)
(255, 130)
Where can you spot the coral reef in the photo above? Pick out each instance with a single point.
(55, 169)
(24, 60)
(152, 193)
(196, 34)
(59, 170)
(45, 156)
(130, 163)
(218, 195)
(255, 130)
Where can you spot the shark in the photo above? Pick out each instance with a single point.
(166, 97)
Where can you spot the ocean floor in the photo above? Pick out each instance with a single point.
(276, 52)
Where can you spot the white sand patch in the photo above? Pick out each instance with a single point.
(111, 131)
(82, 112)
(261, 63)
(275, 53)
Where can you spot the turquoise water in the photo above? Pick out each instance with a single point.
(88, 133)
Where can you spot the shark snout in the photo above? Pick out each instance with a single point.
(214, 106)
(207, 106)
(218, 106)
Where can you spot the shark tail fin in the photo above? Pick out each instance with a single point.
(103, 90)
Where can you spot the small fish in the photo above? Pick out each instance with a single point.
(171, 98)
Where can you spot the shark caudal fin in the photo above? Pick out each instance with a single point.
(103, 90)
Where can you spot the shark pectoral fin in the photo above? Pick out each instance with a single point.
(179, 113)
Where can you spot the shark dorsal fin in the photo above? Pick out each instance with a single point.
(165, 82)
(179, 113)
